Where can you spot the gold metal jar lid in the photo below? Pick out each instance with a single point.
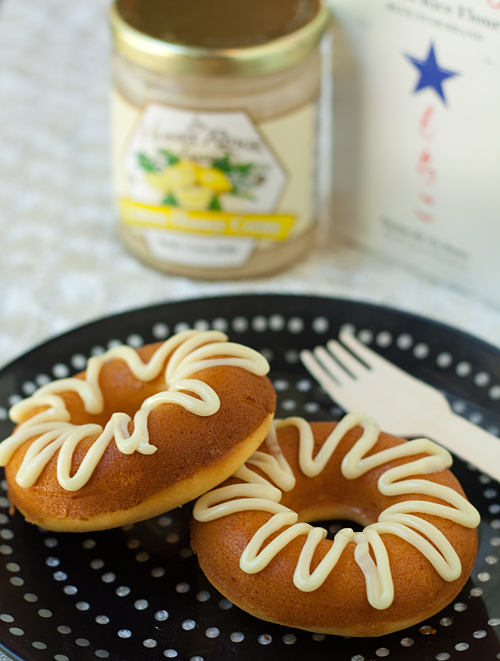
(217, 37)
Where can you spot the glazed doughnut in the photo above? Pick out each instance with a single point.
(138, 433)
(412, 558)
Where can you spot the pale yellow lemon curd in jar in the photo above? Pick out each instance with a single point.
(215, 128)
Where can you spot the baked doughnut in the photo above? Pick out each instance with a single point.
(413, 557)
(138, 433)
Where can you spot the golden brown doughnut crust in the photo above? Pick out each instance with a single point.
(193, 453)
(340, 605)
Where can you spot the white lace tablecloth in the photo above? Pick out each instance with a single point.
(62, 264)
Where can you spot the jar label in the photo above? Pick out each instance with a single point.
(182, 175)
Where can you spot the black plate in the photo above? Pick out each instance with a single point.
(137, 593)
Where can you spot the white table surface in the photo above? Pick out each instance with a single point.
(62, 264)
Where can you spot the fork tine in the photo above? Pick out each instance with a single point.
(345, 358)
(367, 355)
(320, 374)
(332, 367)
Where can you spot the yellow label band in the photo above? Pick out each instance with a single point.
(259, 226)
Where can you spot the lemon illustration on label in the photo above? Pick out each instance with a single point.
(215, 179)
(174, 176)
(199, 187)
(198, 198)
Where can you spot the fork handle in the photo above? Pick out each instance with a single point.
(469, 442)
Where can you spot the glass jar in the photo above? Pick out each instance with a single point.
(215, 131)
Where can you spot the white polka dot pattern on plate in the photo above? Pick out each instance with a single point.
(276, 322)
(320, 325)
(292, 397)
(45, 613)
(82, 642)
(160, 331)
(220, 324)
(108, 577)
(180, 327)
(383, 339)
(83, 605)
(60, 371)
(404, 341)
(240, 324)
(463, 368)
(201, 325)
(292, 356)
(161, 616)
(421, 350)
(158, 572)
(482, 379)
(304, 385)
(494, 392)
(28, 389)
(102, 619)
(444, 359)
(122, 591)
(78, 361)
(30, 597)
(259, 324)
(135, 340)
(365, 336)
(281, 385)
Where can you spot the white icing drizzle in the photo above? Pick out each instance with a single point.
(187, 353)
(257, 493)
